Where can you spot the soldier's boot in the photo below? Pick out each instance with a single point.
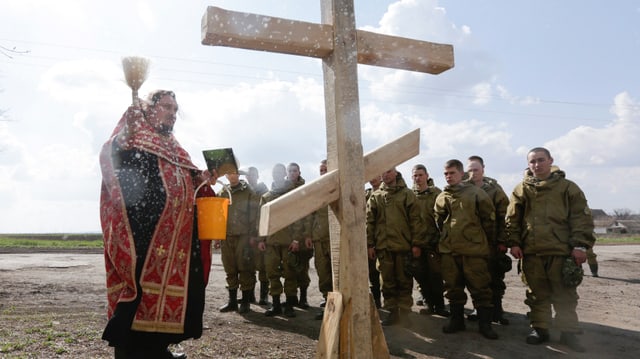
(538, 336)
(440, 310)
(232, 304)
(498, 312)
(473, 316)
(484, 323)
(245, 302)
(393, 318)
(288, 306)
(376, 297)
(594, 269)
(302, 302)
(456, 320)
(571, 340)
(275, 309)
(264, 293)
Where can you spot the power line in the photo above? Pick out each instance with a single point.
(407, 89)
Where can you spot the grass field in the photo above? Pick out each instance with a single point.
(94, 240)
(51, 241)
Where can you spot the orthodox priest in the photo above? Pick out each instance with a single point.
(156, 267)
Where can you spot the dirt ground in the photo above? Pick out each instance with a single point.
(52, 305)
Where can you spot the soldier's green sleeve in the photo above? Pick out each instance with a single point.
(515, 217)
(501, 203)
(487, 214)
(440, 211)
(371, 215)
(417, 222)
(580, 219)
(254, 209)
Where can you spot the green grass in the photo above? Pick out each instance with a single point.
(94, 241)
(55, 241)
(618, 240)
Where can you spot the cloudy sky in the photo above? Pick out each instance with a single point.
(560, 74)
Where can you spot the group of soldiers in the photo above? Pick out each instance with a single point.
(281, 259)
(449, 241)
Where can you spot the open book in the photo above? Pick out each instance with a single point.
(222, 160)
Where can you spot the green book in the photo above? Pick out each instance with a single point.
(222, 160)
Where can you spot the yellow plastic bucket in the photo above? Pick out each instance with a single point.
(212, 217)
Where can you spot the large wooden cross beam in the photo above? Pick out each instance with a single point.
(341, 47)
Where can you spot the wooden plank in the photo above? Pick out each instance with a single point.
(222, 27)
(322, 191)
(347, 346)
(379, 343)
(306, 199)
(391, 154)
(340, 71)
(329, 340)
(402, 53)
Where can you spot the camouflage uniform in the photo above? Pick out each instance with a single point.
(322, 248)
(429, 274)
(277, 253)
(258, 255)
(394, 226)
(466, 219)
(374, 274)
(236, 251)
(498, 286)
(547, 219)
(302, 228)
(592, 259)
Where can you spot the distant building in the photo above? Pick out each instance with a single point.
(601, 221)
(624, 226)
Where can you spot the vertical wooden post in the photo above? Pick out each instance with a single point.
(344, 151)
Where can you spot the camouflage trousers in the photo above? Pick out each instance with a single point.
(543, 275)
(238, 263)
(459, 272)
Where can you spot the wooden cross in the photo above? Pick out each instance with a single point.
(352, 332)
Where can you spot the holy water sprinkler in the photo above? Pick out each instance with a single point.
(136, 69)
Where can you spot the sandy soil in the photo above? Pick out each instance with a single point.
(52, 305)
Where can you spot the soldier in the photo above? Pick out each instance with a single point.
(374, 274)
(592, 261)
(277, 247)
(305, 252)
(237, 249)
(252, 175)
(395, 232)
(429, 276)
(322, 249)
(548, 221)
(499, 257)
(466, 219)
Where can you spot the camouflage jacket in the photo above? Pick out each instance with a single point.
(549, 217)
(394, 218)
(466, 218)
(426, 201)
(243, 210)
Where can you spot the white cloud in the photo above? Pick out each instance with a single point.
(606, 146)
(82, 81)
(482, 93)
(473, 70)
